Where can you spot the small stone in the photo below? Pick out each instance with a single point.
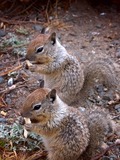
(83, 47)
(95, 33)
(51, 18)
(8, 101)
(104, 146)
(118, 53)
(117, 107)
(105, 158)
(113, 157)
(110, 143)
(1, 79)
(93, 52)
(99, 88)
(82, 109)
(102, 14)
(98, 26)
(117, 141)
(10, 82)
(3, 120)
(3, 113)
(12, 87)
(2, 33)
(38, 27)
(106, 98)
(115, 42)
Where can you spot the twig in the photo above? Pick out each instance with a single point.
(31, 5)
(11, 7)
(18, 22)
(46, 11)
(106, 150)
(13, 87)
(37, 155)
(115, 117)
(3, 102)
(11, 70)
(13, 61)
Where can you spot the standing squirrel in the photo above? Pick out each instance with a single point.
(66, 132)
(65, 73)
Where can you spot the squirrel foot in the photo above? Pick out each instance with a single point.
(28, 127)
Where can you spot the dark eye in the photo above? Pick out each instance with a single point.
(36, 107)
(39, 49)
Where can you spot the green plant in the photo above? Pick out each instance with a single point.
(11, 137)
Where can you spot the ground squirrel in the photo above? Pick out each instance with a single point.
(65, 73)
(67, 133)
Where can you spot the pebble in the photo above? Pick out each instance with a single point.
(106, 158)
(51, 18)
(118, 53)
(10, 82)
(38, 27)
(3, 120)
(3, 113)
(2, 33)
(99, 88)
(102, 14)
(115, 42)
(117, 107)
(8, 101)
(106, 97)
(113, 157)
(95, 33)
(1, 79)
(99, 26)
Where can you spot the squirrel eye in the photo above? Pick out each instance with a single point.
(36, 107)
(39, 49)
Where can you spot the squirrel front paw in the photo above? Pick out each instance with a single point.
(28, 127)
(28, 65)
(32, 68)
(21, 121)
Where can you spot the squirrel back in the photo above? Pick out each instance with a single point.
(67, 133)
(74, 82)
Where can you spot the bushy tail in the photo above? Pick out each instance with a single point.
(100, 127)
(101, 81)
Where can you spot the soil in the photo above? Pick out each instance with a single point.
(83, 29)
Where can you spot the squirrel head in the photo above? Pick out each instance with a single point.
(44, 107)
(33, 100)
(39, 105)
(34, 44)
(43, 48)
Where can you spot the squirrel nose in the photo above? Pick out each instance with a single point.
(25, 114)
(30, 56)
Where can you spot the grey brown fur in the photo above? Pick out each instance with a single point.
(67, 133)
(65, 73)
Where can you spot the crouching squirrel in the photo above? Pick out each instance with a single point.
(67, 133)
(65, 73)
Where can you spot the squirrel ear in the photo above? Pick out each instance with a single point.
(41, 83)
(53, 38)
(52, 95)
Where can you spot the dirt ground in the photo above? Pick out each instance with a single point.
(83, 29)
